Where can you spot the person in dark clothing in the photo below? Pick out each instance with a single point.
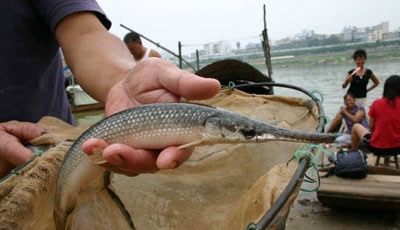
(359, 79)
(32, 81)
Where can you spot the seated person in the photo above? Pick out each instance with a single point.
(134, 43)
(384, 121)
(351, 114)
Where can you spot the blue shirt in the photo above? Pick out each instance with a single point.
(350, 123)
(31, 71)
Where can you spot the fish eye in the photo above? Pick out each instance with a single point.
(248, 133)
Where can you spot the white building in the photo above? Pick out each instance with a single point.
(218, 48)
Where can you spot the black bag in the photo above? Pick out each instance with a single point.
(352, 164)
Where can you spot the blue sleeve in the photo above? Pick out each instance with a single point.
(53, 11)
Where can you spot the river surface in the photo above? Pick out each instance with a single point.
(328, 79)
(307, 212)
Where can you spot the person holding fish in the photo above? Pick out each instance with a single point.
(359, 77)
(31, 80)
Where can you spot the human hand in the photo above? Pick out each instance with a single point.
(356, 70)
(343, 110)
(151, 81)
(12, 152)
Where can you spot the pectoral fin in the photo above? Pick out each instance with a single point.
(194, 143)
(97, 156)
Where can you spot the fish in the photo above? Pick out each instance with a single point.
(157, 126)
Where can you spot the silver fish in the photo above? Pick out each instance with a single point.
(157, 126)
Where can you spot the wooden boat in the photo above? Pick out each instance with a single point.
(80, 100)
(380, 190)
(235, 72)
(225, 186)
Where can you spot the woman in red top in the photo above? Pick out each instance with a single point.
(384, 121)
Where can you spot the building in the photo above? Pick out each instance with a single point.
(348, 33)
(304, 35)
(283, 41)
(395, 35)
(218, 48)
(383, 27)
(365, 34)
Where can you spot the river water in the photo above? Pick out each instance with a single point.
(328, 79)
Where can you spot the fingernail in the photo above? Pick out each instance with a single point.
(116, 160)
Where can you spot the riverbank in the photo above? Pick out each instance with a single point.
(329, 58)
(308, 213)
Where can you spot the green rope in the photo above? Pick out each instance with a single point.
(313, 181)
(310, 104)
(320, 94)
(307, 151)
(38, 154)
(326, 119)
(253, 226)
(17, 170)
(231, 85)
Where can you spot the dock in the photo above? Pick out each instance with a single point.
(380, 190)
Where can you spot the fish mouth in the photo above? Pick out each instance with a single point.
(296, 136)
(271, 137)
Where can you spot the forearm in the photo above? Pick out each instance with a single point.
(375, 82)
(351, 117)
(372, 87)
(347, 81)
(97, 58)
(335, 123)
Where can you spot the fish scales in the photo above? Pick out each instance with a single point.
(156, 126)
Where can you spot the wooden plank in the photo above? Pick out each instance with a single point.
(371, 178)
(379, 190)
(338, 200)
(387, 191)
(87, 107)
(383, 170)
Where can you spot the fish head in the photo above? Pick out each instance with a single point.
(235, 129)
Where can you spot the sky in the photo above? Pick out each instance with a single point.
(195, 22)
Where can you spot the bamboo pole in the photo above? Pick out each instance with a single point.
(180, 54)
(160, 46)
(266, 47)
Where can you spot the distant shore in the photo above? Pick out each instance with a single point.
(331, 58)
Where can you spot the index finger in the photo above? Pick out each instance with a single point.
(22, 130)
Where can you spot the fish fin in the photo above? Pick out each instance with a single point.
(193, 143)
(97, 156)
